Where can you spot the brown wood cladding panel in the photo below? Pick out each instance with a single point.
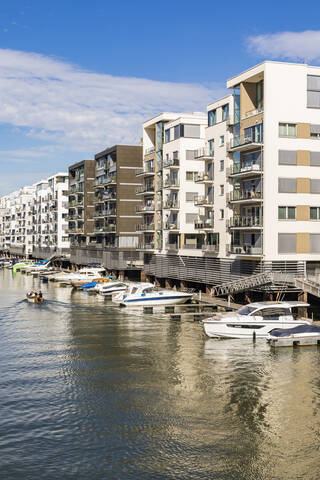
(249, 122)
(247, 97)
(129, 155)
(303, 212)
(127, 225)
(303, 130)
(303, 185)
(126, 208)
(303, 243)
(303, 158)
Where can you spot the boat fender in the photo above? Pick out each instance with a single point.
(143, 294)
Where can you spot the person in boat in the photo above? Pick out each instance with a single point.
(39, 295)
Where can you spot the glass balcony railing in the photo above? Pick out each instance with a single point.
(242, 221)
(169, 203)
(245, 195)
(203, 177)
(243, 169)
(204, 153)
(171, 225)
(245, 250)
(210, 248)
(143, 227)
(171, 183)
(149, 150)
(242, 140)
(203, 200)
(171, 162)
(145, 189)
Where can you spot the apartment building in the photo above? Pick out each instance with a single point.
(114, 240)
(50, 211)
(259, 168)
(81, 204)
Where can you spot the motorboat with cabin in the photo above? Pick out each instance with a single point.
(109, 289)
(255, 320)
(146, 294)
(84, 275)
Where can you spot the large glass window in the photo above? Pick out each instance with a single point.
(286, 213)
(176, 132)
(287, 185)
(167, 135)
(211, 147)
(313, 93)
(259, 92)
(212, 117)
(191, 131)
(314, 213)
(225, 112)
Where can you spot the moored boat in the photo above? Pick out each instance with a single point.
(255, 320)
(108, 289)
(146, 294)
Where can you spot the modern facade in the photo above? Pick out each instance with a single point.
(81, 204)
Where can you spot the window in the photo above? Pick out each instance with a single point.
(221, 165)
(191, 176)
(221, 189)
(286, 243)
(221, 140)
(286, 213)
(191, 131)
(176, 132)
(212, 117)
(314, 131)
(287, 157)
(314, 185)
(221, 214)
(191, 196)
(287, 185)
(191, 217)
(287, 130)
(225, 112)
(314, 243)
(313, 91)
(211, 147)
(259, 94)
(175, 155)
(167, 135)
(191, 154)
(314, 213)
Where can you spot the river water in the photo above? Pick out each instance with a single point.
(91, 391)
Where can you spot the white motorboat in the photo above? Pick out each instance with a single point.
(82, 275)
(110, 288)
(255, 320)
(145, 294)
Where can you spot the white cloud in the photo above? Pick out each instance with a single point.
(301, 46)
(74, 109)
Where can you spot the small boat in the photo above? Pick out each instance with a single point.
(300, 335)
(108, 289)
(33, 297)
(145, 294)
(255, 320)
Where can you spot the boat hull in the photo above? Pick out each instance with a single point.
(231, 329)
(155, 301)
(34, 300)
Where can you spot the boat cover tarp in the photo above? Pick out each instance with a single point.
(89, 285)
(286, 332)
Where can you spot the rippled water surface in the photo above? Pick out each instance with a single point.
(91, 391)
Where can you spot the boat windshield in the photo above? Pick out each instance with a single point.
(246, 310)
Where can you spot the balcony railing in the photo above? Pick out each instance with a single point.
(145, 208)
(203, 200)
(171, 162)
(171, 183)
(145, 189)
(202, 224)
(149, 150)
(251, 113)
(204, 153)
(243, 169)
(210, 248)
(172, 246)
(249, 221)
(244, 195)
(146, 170)
(169, 225)
(204, 177)
(174, 204)
(245, 250)
(242, 140)
(142, 227)
(147, 246)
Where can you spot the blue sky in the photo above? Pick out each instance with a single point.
(78, 76)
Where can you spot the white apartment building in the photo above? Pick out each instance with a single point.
(259, 168)
(50, 211)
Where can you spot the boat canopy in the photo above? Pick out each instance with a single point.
(286, 332)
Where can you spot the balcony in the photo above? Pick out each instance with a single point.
(147, 246)
(252, 113)
(172, 183)
(109, 197)
(145, 190)
(245, 142)
(99, 214)
(203, 177)
(210, 249)
(204, 201)
(98, 199)
(111, 228)
(110, 180)
(245, 250)
(147, 170)
(173, 163)
(245, 170)
(241, 222)
(238, 196)
(170, 225)
(99, 184)
(170, 204)
(149, 150)
(204, 154)
(145, 227)
(145, 208)
(207, 223)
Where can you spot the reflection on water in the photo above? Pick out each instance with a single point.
(91, 391)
